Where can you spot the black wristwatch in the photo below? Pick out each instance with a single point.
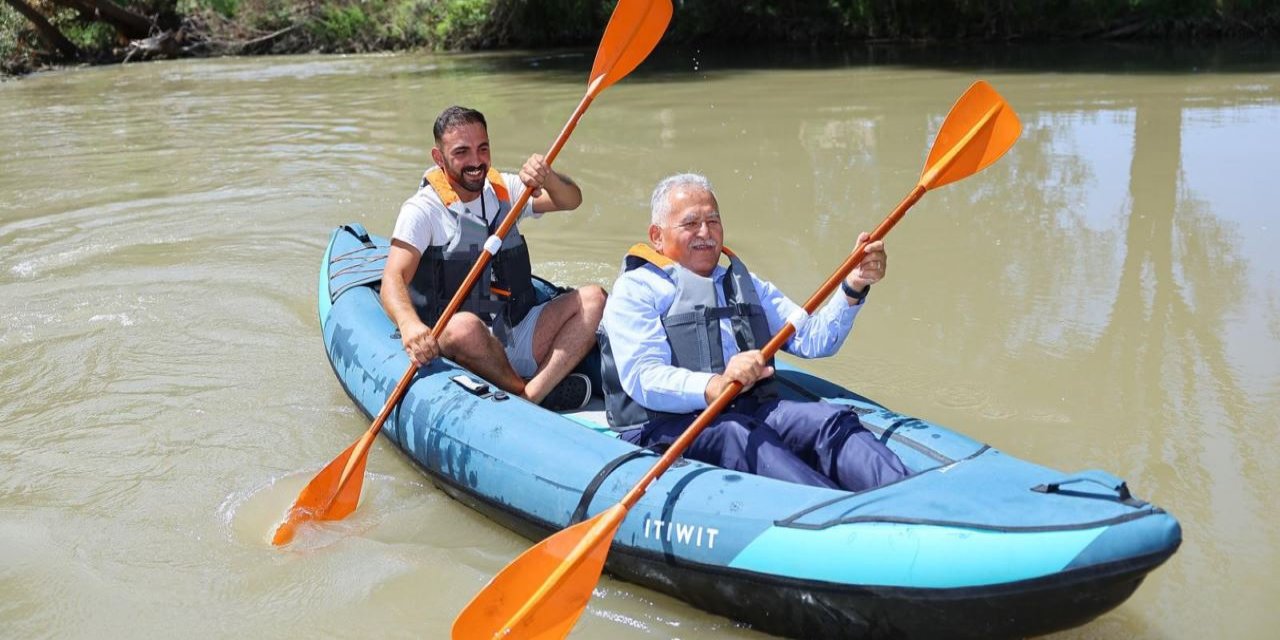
(857, 296)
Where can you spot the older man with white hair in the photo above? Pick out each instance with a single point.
(679, 327)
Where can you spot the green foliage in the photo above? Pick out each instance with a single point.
(339, 24)
(11, 23)
(268, 15)
(470, 24)
(365, 25)
(225, 8)
(89, 36)
(552, 22)
(459, 24)
(409, 23)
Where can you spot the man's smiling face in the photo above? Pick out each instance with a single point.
(692, 233)
(463, 154)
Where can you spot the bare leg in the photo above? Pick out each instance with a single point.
(467, 341)
(565, 332)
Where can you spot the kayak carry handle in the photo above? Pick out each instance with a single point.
(1094, 476)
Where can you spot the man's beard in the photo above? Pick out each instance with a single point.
(472, 185)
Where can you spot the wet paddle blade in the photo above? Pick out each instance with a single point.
(633, 31)
(326, 497)
(334, 493)
(978, 130)
(542, 593)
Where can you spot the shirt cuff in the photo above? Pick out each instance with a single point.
(696, 386)
(844, 312)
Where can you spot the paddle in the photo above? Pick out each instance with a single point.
(633, 31)
(542, 593)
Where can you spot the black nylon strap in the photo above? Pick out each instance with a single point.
(588, 494)
(1123, 496)
(358, 231)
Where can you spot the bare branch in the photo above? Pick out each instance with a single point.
(130, 25)
(48, 33)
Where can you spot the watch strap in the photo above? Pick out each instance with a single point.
(857, 296)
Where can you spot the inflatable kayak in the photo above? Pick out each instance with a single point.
(976, 543)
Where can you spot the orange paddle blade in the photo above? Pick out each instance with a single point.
(335, 492)
(633, 31)
(326, 497)
(541, 594)
(978, 130)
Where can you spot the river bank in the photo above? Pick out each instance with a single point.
(40, 34)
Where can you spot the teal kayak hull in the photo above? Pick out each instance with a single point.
(976, 543)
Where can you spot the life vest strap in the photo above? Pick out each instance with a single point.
(435, 176)
(640, 253)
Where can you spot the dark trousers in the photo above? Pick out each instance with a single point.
(814, 443)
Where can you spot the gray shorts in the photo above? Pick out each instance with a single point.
(519, 346)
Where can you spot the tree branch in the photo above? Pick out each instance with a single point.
(131, 25)
(48, 33)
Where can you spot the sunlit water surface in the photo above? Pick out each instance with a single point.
(1106, 296)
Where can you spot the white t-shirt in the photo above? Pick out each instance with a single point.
(423, 221)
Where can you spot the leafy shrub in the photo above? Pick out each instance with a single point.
(337, 24)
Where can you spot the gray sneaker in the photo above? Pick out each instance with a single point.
(570, 394)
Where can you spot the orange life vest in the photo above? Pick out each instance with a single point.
(505, 293)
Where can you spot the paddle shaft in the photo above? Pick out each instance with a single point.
(510, 219)
(583, 547)
(476, 269)
(784, 334)
(634, 29)
(369, 436)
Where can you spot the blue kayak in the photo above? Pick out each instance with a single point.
(975, 544)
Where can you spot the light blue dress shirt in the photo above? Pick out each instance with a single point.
(633, 318)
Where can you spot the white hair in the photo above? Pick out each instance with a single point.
(660, 204)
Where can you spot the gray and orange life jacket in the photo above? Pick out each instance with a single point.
(692, 327)
(504, 294)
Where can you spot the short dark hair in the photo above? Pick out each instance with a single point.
(457, 116)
